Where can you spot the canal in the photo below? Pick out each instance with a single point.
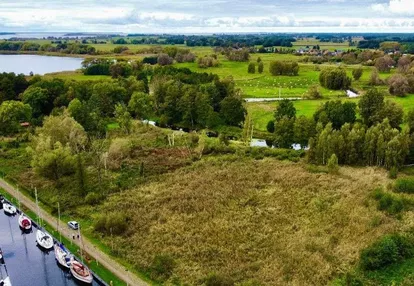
(27, 264)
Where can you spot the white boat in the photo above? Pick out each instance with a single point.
(80, 272)
(62, 255)
(44, 239)
(24, 222)
(9, 209)
(5, 282)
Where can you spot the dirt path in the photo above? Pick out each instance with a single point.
(93, 251)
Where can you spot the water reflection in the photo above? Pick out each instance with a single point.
(26, 263)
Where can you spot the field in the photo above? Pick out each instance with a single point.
(259, 227)
(263, 85)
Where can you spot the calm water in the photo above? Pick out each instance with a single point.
(26, 263)
(37, 64)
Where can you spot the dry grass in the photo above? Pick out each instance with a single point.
(270, 221)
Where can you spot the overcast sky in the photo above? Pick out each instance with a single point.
(201, 16)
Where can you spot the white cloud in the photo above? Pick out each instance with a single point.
(401, 7)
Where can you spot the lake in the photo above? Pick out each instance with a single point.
(26, 263)
(38, 64)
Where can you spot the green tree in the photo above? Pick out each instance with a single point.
(251, 68)
(284, 68)
(123, 117)
(232, 111)
(314, 92)
(375, 78)
(335, 79)
(141, 105)
(105, 96)
(333, 167)
(357, 73)
(38, 99)
(65, 130)
(398, 85)
(284, 133)
(370, 104)
(270, 126)
(303, 129)
(393, 111)
(52, 161)
(11, 114)
(409, 119)
(285, 108)
(260, 67)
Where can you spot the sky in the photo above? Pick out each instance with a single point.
(201, 16)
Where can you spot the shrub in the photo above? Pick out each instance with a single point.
(314, 92)
(284, 68)
(271, 126)
(162, 267)
(357, 73)
(404, 185)
(113, 223)
(393, 173)
(251, 68)
(333, 167)
(93, 198)
(388, 250)
(380, 254)
(388, 202)
(218, 280)
(335, 79)
(260, 67)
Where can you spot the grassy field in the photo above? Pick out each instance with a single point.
(241, 218)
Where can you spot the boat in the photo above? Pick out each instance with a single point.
(80, 271)
(24, 222)
(4, 279)
(9, 209)
(62, 255)
(44, 239)
(5, 282)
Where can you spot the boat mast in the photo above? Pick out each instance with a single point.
(38, 210)
(58, 224)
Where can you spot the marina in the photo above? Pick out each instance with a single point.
(26, 262)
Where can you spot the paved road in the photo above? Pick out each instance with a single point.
(102, 258)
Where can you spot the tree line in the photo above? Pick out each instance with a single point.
(376, 138)
(179, 97)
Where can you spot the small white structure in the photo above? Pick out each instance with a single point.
(351, 94)
(149, 122)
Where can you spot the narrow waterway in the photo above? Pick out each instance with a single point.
(27, 264)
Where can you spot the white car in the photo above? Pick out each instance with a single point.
(73, 225)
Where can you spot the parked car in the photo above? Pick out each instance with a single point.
(73, 225)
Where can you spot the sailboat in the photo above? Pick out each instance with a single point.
(43, 239)
(79, 270)
(9, 208)
(62, 255)
(4, 281)
(24, 222)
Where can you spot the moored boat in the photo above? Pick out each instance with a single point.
(24, 222)
(9, 209)
(62, 255)
(44, 239)
(80, 272)
(5, 282)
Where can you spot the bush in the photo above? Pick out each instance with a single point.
(333, 167)
(284, 68)
(162, 267)
(113, 223)
(335, 79)
(251, 68)
(218, 280)
(393, 173)
(404, 185)
(93, 199)
(389, 203)
(388, 250)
